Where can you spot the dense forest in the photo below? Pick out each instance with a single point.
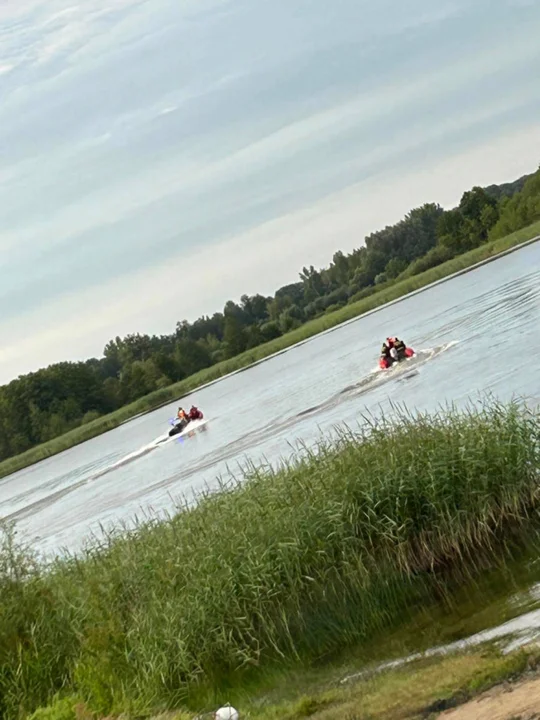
(44, 404)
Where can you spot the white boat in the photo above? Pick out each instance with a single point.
(176, 432)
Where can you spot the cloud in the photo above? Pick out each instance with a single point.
(145, 138)
(36, 34)
(65, 38)
(181, 174)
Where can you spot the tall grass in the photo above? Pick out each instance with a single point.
(287, 564)
(391, 291)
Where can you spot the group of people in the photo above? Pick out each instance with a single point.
(393, 347)
(185, 417)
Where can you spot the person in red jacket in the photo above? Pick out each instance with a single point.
(195, 413)
(388, 349)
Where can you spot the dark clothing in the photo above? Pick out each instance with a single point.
(393, 349)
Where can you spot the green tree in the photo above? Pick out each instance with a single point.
(254, 337)
(278, 305)
(521, 210)
(255, 308)
(191, 356)
(234, 336)
(270, 331)
(480, 211)
(451, 230)
(291, 318)
(313, 283)
(140, 378)
(394, 267)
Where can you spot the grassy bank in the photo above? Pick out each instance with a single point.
(420, 690)
(287, 567)
(389, 292)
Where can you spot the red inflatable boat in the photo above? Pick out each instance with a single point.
(386, 362)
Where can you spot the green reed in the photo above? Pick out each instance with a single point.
(280, 566)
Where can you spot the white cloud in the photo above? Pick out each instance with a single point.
(65, 38)
(183, 174)
(45, 30)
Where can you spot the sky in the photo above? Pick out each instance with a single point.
(159, 157)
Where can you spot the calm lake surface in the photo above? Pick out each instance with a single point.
(472, 335)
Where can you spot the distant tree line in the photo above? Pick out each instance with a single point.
(42, 405)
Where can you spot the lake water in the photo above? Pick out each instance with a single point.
(474, 334)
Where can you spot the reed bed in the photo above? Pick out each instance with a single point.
(389, 292)
(282, 566)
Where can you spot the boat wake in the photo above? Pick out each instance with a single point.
(160, 441)
(402, 371)
(399, 372)
(198, 425)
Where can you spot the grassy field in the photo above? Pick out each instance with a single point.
(388, 293)
(285, 568)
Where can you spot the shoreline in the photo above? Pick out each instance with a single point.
(329, 330)
(481, 685)
(122, 416)
(484, 685)
(508, 700)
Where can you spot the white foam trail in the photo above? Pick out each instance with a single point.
(378, 376)
(160, 441)
(374, 379)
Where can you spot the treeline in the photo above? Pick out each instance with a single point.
(39, 406)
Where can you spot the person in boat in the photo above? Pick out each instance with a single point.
(389, 349)
(182, 416)
(194, 413)
(392, 349)
(385, 359)
(400, 347)
(397, 345)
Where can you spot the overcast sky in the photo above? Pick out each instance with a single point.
(158, 157)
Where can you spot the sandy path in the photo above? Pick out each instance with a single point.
(506, 702)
